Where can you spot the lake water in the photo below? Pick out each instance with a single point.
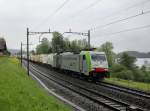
(142, 61)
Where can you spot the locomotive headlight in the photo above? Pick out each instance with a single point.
(106, 69)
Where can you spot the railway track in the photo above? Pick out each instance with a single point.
(138, 93)
(91, 94)
(135, 92)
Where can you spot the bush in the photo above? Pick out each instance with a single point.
(120, 71)
(127, 60)
(143, 68)
(117, 68)
(124, 74)
(139, 75)
(136, 74)
(147, 77)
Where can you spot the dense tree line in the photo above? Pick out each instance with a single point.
(43, 47)
(108, 49)
(123, 66)
(126, 69)
(60, 44)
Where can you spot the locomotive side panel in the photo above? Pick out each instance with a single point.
(50, 59)
(71, 62)
(56, 61)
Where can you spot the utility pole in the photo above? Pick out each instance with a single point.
(28, 50)
(84, 34)
(89, 36)
(32, 33)
(21, 53)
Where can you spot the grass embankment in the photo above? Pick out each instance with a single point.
(18, 92)
(129, 83)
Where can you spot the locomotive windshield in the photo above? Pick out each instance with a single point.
(99, 60)
(98, 57)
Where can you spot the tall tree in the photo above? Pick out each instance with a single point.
(44, 47)
(75, 46)
(108, 49)
(66, 44)
(57, 42)
(127, 60)
(83, 44)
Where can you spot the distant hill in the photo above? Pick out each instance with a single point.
(137, 54)
(13, 51)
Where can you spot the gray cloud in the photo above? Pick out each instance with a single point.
(16, 15)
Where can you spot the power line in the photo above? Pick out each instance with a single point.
(53, 13)
(138, 4)
(91, 5)
(85, 9)
(130, 7)
(114, 22)
(128, 30)
(125, 9)
(59, 8)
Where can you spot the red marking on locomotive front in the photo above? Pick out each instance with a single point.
(101, 70)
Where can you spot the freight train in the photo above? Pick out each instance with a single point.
(90, 64)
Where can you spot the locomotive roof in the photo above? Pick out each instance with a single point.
(67, 53)
(92, 52)
(82, 52)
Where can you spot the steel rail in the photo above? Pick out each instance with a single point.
(135, 92)
(115, 105)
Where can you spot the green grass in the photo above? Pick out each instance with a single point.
(18, 92)
(129, 83)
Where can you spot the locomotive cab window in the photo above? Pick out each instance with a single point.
(98, 57)
(83, 57)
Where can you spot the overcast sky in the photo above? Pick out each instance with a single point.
(79, 15)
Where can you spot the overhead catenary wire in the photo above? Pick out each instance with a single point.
(128, 30)
(84, 9)
(90, 6)
(120, 11)
(138, 4)
(52, 14)
(125, 9)
(120, 20)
